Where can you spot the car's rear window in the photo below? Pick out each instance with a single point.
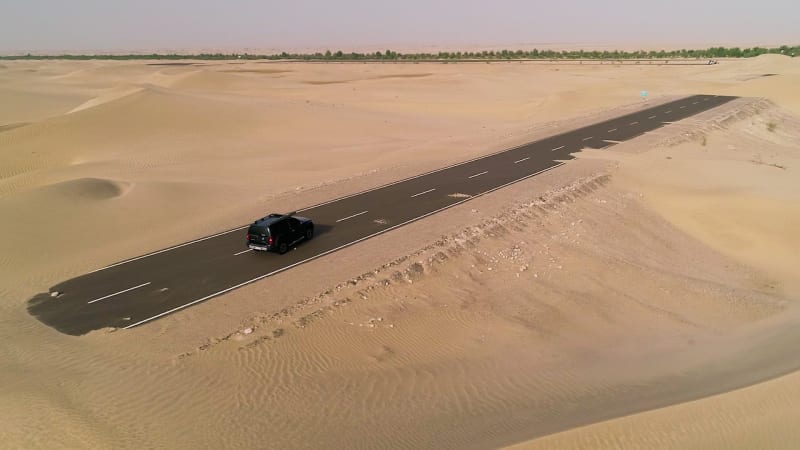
(254, 229)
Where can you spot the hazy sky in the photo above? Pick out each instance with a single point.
(81, 25)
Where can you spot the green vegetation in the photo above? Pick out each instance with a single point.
(389, 55)
(771, 126)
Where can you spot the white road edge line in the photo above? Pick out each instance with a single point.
(248, 250)
(350, 217)
(478, 174)
(168, 249)
(425, 192)
(335, 249)
(612, 130)
(633, 123)
(558, 148)
(523, 159)
(120, 292)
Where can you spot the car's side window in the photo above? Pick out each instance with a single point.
(278, 228)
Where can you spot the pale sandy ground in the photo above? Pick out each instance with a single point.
(644, 277)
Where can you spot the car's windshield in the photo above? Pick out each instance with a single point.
(257, 230)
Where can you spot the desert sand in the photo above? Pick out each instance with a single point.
(643, 296)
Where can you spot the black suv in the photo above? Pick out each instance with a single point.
(278, 232)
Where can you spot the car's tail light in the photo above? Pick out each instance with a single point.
(248, 236)
(269, 242)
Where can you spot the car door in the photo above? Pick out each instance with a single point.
(280, 231)
(294, 228)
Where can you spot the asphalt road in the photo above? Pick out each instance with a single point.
(142, 289)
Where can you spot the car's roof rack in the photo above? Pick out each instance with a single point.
(275, 216)
(270, 216)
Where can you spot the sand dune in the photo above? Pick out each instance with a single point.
(760, 416)
(18, 105)
(631, 282)
(377, 77)
(112, 95)
(90, 189)
(220, 81)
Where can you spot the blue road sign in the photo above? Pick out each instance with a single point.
(643, 94)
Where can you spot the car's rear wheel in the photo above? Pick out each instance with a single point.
(309, 234)
(282, 248)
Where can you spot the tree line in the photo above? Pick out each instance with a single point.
(389, 55)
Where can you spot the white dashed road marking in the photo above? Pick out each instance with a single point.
(612, 130)
(478, 174)
(248, 250)
(120, 292)
(633, 123)
(652, 117)
(587, 138)
(557, 148)
(523, 159)
(425, 192)
(350, 217)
